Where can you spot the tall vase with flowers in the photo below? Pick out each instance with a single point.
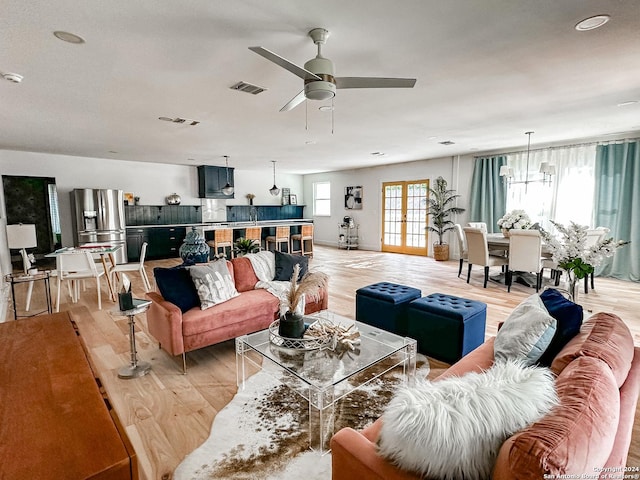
(515, 219)
(571, 254)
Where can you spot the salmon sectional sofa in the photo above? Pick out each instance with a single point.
(254, 309)
(586, 436)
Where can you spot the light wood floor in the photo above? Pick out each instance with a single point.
(167, 414)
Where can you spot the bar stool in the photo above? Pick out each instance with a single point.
(254, 233)
(222, 238)
(305, 235)
(281, 236)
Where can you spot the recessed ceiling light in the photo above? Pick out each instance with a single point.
(325, 108)
(68, 37)
(592, 23)
(626, 104)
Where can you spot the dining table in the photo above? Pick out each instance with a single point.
(497, 242)
(97, 249)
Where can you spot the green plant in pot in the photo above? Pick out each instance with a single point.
(244, 246)
(441, 207)
(292, 322)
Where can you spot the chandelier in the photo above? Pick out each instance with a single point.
(547, 170)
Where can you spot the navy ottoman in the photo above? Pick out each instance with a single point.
(384, 305)
(446, 327)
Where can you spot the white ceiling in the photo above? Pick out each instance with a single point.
(487, 70)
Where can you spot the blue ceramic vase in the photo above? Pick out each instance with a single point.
(195, 248)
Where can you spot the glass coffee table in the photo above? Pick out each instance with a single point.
(322, 376)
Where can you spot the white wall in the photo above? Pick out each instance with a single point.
(456, 170)
(152, 182)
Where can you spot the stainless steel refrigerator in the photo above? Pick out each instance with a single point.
(99, 218)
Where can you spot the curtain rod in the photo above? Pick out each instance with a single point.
(558, 147)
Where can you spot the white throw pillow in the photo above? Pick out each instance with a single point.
(453, 428)
(213, 283)
(526, 333)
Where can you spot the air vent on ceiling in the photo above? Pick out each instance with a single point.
(447, 142)
(186, 121)
(248, 88)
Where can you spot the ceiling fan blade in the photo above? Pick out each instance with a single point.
(284, 63)
(374, 82)
(294, 102)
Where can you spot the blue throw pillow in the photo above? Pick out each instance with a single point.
(285, 263)
(569, 317)
(176, 286)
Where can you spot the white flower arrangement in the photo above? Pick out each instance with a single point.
(570, 252)
(515, 219)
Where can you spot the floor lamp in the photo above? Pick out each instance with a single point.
(21, 237)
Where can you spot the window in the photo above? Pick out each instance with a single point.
(322, 199)
(568, 197)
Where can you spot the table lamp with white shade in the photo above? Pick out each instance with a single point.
(21, 237)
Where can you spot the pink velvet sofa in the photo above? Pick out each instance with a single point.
(253, 310)
(589, 433)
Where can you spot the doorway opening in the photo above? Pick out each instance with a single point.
(34, 200)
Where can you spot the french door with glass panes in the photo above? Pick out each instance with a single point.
(404, 217)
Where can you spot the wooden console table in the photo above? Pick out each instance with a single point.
(56, 421)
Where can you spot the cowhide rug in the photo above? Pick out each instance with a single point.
(263, 432)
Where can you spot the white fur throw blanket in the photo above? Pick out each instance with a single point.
(453, 428)
(264, 264)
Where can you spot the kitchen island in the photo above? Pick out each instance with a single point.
(165, 240)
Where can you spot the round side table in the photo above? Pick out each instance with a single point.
(135, 368)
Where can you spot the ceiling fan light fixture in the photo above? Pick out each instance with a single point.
(319, 90)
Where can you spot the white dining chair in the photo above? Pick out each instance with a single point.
(594, 235)
(481, 225)
(552, 265)
(478, 252)
(525, 255)
(462, 246)
(133, 267)
(74, 266)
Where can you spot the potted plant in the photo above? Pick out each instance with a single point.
(292, 321)
(244, 246)
(440, 209)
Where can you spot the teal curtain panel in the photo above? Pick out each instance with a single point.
(488, 192)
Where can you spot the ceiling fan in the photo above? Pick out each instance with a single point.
(318, 74)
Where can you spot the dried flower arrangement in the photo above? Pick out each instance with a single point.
(292, 322)
(309, 286)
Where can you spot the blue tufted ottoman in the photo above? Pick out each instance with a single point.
(446, 327)
(384, 305)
